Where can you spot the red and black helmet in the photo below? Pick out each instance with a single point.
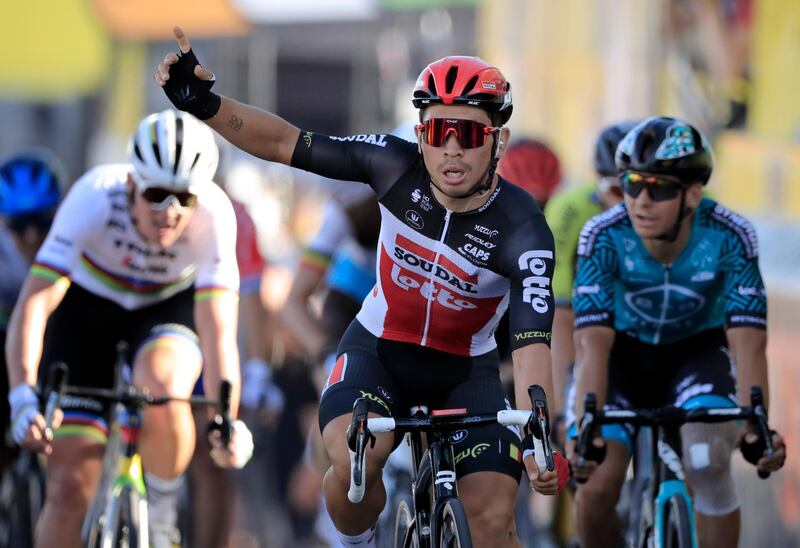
(462, 80)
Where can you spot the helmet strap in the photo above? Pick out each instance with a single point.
(485, 183)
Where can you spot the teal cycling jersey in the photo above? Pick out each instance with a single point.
(714, 282)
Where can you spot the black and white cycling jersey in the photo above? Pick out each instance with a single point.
(444, 279)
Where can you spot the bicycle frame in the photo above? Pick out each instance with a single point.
(435, 464)
(663, 454)
(129, 474)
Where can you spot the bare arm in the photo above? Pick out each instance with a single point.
(749, 348)
(254, 317)
(216, 321)
(592, 349)
(37, 300)
(532, 365)
(563, 353)
(297, 316)
(260, 133)
(255, 131)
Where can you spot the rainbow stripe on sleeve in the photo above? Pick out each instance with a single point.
(49, 272)
(213, 292)
(314, 260)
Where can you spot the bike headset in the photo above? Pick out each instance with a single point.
(174, 151)
(662, 145)
(31, 183)
(469, 81)
(532, 165)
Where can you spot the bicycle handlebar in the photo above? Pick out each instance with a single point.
(56, 383)
(670, 416)
(362, 431)
(130, 396)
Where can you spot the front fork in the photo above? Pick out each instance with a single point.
(671, 482)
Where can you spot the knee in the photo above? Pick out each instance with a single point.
(491, 521)
(69, 491)
(707, 465)
(597, 495)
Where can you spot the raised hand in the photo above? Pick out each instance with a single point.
(186, 82)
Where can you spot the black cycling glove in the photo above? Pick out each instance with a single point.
(188, 92)
(754, 451)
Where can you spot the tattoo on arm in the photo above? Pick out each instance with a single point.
(235, 123)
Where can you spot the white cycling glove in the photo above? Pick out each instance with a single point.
(24, 407)
(241, 446)
(258, 390)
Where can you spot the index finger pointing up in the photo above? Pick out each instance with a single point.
(183, 41)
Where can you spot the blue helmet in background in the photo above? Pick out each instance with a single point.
(31, 183)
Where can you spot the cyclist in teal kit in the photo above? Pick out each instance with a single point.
(667, 298)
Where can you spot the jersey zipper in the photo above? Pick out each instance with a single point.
(430, 298)
(664, 304)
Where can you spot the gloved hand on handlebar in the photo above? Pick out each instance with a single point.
(541, 479)
(28, 426)
(754, 452)
(238, 451)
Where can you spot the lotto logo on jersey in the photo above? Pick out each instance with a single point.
(536, 287)
(429, 291)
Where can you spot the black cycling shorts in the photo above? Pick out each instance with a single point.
(83, 332)
(397, 376)
(698, 369)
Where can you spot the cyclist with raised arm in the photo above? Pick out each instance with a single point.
(141, 252)
(458, 245)
(668, 297)
(31, 184)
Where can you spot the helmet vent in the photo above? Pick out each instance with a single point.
(138, 152)
(450, 79)
(157, 152)
(178, 143)
(432, 85)
(470, 85)
(196, 159)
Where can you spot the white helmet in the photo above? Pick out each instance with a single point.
(173, 150)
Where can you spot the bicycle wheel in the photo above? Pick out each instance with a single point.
(677, 523)
(404, 524)
(124, 526)
(641, 525)
(453, 526)
(93, 522)
(23, 495)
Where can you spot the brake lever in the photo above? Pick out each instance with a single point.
(541, 422)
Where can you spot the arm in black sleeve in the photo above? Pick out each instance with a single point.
(378, 160)
(529, 260)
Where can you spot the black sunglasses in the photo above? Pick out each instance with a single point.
(660, 187)
(161, 198)
(38, 221)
